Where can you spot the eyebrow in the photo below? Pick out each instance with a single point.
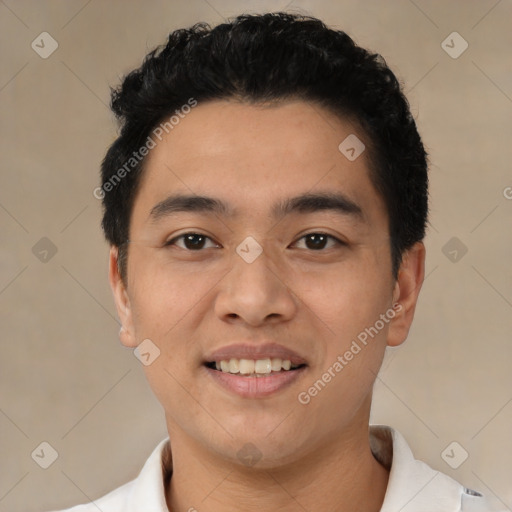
(303, 204)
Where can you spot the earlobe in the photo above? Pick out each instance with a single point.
(405, 293)
(122, 301)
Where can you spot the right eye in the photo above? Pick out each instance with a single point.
(190, 242)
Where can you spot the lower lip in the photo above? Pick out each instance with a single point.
(255, 387)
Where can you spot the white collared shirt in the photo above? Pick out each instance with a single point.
(413, 486)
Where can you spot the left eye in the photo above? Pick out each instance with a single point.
(318, 241)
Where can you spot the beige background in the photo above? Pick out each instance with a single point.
(64, 377)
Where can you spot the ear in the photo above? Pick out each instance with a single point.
(405, 293)
(122, 301)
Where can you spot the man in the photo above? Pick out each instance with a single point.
(266, 202)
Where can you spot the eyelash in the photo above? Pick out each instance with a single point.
(172, 242)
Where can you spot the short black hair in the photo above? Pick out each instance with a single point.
(261, 59)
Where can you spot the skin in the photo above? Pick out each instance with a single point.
(315, 301)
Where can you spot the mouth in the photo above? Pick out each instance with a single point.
(254, 371)
(254, 368)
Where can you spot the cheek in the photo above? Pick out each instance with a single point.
(353, 348)
(163, 297)
(349, 302)
(348, 298)
(166, 307)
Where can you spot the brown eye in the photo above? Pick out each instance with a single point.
(319, 241)
(190, 241)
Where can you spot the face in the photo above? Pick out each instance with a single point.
(281, 269)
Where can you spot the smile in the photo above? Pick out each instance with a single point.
(253, 367)
(253, 380)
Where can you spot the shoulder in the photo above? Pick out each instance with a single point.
(416, 487)
(114, 501)
(146, 492)
(474, 502)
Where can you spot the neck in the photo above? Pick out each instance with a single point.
(340, 474)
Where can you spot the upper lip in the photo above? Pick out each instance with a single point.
(260, 351)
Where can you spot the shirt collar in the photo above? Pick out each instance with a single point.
(412, 487)
(148, 490)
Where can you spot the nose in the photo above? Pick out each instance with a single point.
(255, 293)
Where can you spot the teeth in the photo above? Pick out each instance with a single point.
(246, 366)
(276, 365)
(234, 366)
(262, 366)
(254, 367)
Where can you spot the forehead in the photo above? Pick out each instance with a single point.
(255, 156)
